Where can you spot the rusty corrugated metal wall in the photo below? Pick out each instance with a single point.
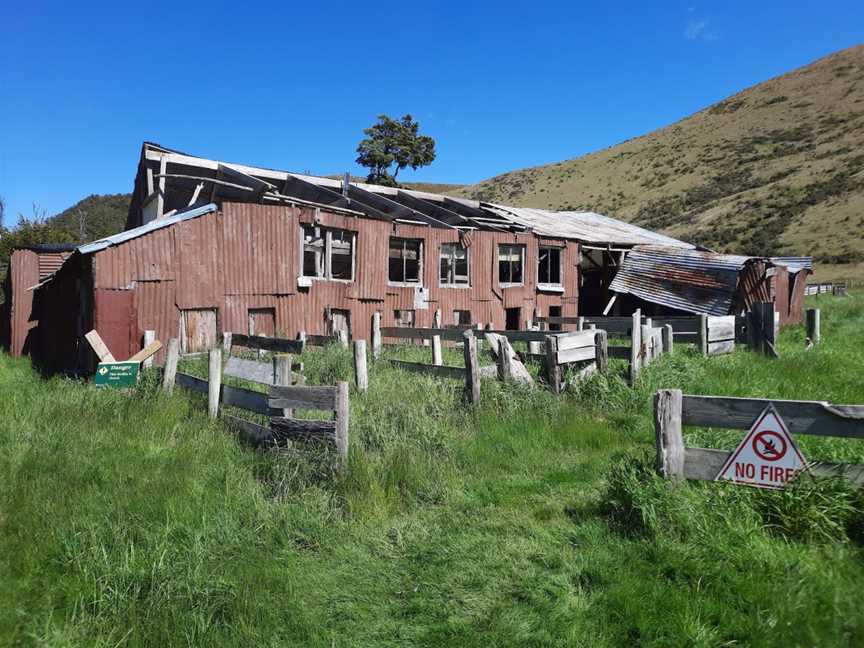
(247, 256)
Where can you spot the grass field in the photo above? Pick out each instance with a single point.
(532, 520)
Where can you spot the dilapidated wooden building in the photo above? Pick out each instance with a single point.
(212, 247)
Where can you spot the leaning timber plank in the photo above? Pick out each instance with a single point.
(252, 433)
(523, 336)
(191, 382)
(442, 371)
(290, 429)
(321, 340)
(575, 355)
(801, 417)
(320, 398)
(278, 345)
(721, 328)
(251, 370)
(452, 334)
(99, 347)
(705, 463)
(576, 340)
(687, 325)
(148, 351)
(719, 348)
(620, 352)
(245, 399)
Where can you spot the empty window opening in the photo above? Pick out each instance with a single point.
(513, 317)
(554, 311)
(328, 254)
(549, 266)
(405, 261)
(454, 265)
(404, 318)
(511, 261)
(462, 318)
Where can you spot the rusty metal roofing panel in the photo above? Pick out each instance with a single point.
(689, 280)
(587, 227)
(794, 264)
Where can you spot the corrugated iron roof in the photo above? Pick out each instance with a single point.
(795, 264)
(152, 226)
(689, 280)
(587, 227)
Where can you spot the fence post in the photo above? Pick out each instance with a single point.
(170, 372)
(149, 338)
(376, 335)
(702, 335)
(342, 414)
(580, 324)
(535, 348)
(645, 351)
(763, 329)
(540, 325)
(282, 376)
(813, 324)
(226, 343)
(668, 338)
(635, 344)
(361, 376)
(436, 319)
(437, 358)
(214, 382)
(472, 371)
(505, 367)
(553, 370)
(601, 350)
(667, 433)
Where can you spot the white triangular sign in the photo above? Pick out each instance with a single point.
(767, 457)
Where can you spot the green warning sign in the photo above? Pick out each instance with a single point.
(116, 374)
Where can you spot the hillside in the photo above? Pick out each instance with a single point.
(775, 169)
(102, 215)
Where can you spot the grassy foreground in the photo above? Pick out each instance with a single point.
(532, 520)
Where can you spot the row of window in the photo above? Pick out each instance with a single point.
(329, 254)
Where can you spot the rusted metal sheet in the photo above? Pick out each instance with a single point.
(116, 321)
(687, 280)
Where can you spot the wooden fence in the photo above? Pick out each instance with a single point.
(280, 404)
(673, 410)
(826, 288)
(565, 349)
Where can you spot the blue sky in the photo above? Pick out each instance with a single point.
(499, 85)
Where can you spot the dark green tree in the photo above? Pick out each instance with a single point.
(394, 141)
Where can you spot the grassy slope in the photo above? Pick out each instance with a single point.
(777, 168)
(533, 521)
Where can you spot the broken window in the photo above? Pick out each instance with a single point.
(405, 260)
(462, 317)
(404, 318)
(454, 265)
(511, 261)
(549, 266)
(328, 254)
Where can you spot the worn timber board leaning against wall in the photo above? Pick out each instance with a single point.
(673, 410)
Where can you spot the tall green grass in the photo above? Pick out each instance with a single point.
(529, 520)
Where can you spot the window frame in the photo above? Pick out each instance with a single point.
(551, 287)
(325, 265)
(419, 281)
(522, 251)
(454, 246)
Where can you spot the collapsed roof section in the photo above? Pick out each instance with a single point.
(697, 281)
(169, 181)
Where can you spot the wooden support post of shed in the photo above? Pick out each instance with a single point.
(667, 433)
(635, 345)
(149, 338)
(436, 319)
(437, 358)
(541, 326)
(214, 382)
(169, 374)
(361, 375)
(668, 338)
(553, 369)
(342, 413)
(282, 368)
(601, 350)
(814, 335)
(580, 323)
(472, 370)
(702, 334)
(376, 335)
(160, 198)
